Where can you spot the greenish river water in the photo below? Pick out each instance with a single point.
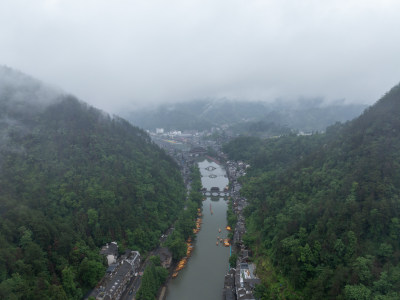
(203, 276)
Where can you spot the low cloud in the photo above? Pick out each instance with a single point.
(118, 55)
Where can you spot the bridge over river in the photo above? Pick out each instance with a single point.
(203, 276)
(215, 192)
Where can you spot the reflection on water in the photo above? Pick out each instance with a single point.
(214, 199)
(203, 276)
(213, 175)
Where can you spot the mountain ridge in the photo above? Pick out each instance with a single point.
(73, 178)
(324, 209)
(302, 115)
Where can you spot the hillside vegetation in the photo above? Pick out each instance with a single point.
(73, 178)
(324, 214)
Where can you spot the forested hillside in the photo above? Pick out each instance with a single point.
(324, 214)
(71, 179)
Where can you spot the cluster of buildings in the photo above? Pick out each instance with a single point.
(236, 170)
(120, 272)
(178, 134)
(240, 281)
(165, 256)
(188, 139)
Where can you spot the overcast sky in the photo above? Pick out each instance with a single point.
(118, 54)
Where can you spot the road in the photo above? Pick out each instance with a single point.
(133, 285)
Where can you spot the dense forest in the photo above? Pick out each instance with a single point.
(73, 178)
(155, 275)
(186, 221)
(324, 213)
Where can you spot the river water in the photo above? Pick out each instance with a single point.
(203, 276)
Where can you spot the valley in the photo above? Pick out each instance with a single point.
(304, 216)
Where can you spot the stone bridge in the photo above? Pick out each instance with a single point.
(215, 192)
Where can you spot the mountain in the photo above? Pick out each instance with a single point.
(73, 178)
(324, 209)
(244, 116)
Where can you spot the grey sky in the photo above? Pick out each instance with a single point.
(120, 54)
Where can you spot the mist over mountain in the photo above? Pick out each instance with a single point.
(73, 178)
(22, 93)
(300, 115)
(324, 209)
(122, 55)
(275, 92)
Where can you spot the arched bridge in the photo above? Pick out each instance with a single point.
(215, 192)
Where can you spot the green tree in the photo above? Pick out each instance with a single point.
(13, 288)
(155, 259)
(357, 292)
(91, 272)
(362, 267)
(232, 260)
(385, 250)
(176, 244)
(69, 285)
(152, 279)
(56, 292)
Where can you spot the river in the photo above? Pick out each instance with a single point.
(203, 276)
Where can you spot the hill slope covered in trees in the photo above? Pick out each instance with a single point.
(324, 213)
(73, 178)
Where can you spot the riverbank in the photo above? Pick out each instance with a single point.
(240, 280)
(203, 276)
(214, 160)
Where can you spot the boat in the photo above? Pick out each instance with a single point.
(174, 274)
(189, 249)
(217, 243)
(228, 228)
(219, 230)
